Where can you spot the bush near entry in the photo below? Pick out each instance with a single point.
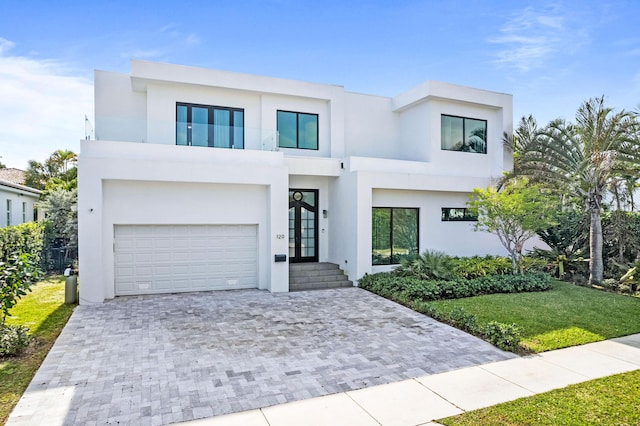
(20, 249)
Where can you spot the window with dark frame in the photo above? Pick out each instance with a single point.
(8, 212)
(458, 214)
(212, 126)
(297, 130)
(394, 234)
(463, 134)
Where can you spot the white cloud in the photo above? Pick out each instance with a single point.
(5, 45)
(162, 43)
(532, 37)
(42, 107)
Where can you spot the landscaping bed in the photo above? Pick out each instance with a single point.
(567, 315)
(521, 313)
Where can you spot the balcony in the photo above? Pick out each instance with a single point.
(168, 133)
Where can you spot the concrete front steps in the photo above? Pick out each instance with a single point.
(316, 276)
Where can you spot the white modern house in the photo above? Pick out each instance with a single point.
(202, 179)
(18, 200)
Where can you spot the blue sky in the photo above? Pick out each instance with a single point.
(550, 55)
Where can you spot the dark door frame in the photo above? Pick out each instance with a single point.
(297, 205)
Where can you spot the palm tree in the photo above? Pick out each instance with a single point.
(61, 159)
(526, 134)
(581, 159)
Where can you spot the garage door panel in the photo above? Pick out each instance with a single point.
(164, 285)
(124, 272)
(169, 258)
(124, 244)
(143, 243)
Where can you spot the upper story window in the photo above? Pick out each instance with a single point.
(297, 130)
(463, 134)
(203, 125)
(24, 211)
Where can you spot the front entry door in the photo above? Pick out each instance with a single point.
(303, 225)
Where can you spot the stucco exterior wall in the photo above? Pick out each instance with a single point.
(371, 129)
(120, 113)
(128, 184)
(372, 151)
(17, 198)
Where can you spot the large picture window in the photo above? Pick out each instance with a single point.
(463, 134)
(394, 235)
(297, 130)
(203, 125)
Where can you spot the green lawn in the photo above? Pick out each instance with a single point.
(567, 315)
(613, 400)
(45, 313)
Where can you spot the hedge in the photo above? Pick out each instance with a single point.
(24, 238)
(391, 286)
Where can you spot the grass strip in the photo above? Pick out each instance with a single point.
(564, 316)
(44, 312)
(613, 400)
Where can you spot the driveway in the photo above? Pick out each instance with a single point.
(169, 358)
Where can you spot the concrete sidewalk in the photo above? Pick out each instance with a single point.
(425, 399)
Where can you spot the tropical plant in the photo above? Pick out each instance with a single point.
(431, 264)
(514, 214)
(526, 134)
(581, 159)
(631, 278)
(567, 241)
(60, 165)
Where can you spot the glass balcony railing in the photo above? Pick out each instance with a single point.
(186, 134)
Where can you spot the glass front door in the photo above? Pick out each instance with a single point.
(303, 225)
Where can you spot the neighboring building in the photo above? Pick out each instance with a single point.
(199, 179)
(17, 200)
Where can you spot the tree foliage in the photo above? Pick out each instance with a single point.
(20, 248)
(59, 167)
(581, 160)
(514, 214)
(61, 208)
(16, 277)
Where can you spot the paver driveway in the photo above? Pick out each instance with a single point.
(170, 358)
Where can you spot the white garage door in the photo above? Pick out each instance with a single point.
(175, 258)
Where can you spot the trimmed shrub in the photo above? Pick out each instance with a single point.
(16, 277)
(13, 339)
(389, 285)
(24, 238)
(505, 336)
(463, 320)
(476, 266)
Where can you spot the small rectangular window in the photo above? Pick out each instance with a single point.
(8, 212)
(463, 134)
(458, 214)
(297, 130)
(24, 211)
(394, 234)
